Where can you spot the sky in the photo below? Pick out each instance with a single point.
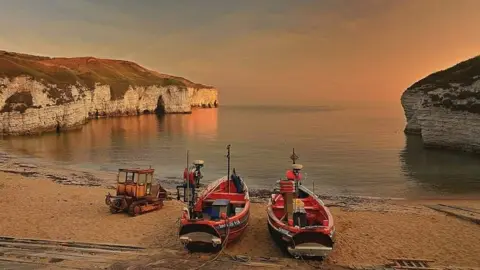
(302, 52)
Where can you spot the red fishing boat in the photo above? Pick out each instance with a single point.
(298, 220)
(218, 216)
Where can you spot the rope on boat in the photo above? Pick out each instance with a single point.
(240, 258)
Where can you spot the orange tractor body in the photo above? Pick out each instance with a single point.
(136, 192)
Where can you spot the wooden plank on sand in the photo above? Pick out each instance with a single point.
(70, 243)
(8, 251)
(468, 209)
(54, 247)
(411, 260)
(456, 214)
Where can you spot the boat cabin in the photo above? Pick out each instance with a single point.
(220, 208)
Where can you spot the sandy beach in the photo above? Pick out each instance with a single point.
(369, 232)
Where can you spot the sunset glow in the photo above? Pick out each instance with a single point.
(273, 52)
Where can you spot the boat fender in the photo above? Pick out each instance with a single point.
(185, 209)
(287, 187)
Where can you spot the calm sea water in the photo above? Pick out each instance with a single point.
(354, 151)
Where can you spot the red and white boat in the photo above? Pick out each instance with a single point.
(219, 216)
(298, 220)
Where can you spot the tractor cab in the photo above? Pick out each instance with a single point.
(134, 182)
(136, 192)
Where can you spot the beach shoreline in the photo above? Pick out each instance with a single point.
(71, 175)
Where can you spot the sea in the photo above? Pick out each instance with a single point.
(360, 151)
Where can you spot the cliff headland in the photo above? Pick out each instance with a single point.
(444, 107)
(40, 94)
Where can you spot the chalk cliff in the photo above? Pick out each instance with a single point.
(39, 94)
(444, 107)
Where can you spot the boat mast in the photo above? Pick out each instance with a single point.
(289, 193)
(294, 158)
(228, 167)
(187, 193)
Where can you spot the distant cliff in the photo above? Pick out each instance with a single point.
(39, 94)
(444, 107)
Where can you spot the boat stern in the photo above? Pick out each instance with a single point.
(200, 237)
(309, 250)
(311, 244)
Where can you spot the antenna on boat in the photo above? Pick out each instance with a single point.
(293, 157)
(228, 167)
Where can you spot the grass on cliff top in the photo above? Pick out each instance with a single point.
(87, 71)
(463, 73)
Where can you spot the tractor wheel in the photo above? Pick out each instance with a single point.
(134, 209)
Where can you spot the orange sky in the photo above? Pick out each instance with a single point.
(268, 52)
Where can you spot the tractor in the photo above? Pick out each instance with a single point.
(136, 193)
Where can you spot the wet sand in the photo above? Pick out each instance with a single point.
(369, 232)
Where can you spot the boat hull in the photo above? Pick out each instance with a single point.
(206, 234)
(203, 236)
(200, 237)
(302, 242)
(305, 249)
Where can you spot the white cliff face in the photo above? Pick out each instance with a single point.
(445, 117)
(31, 107)
(442, 128)
(410, 103)
(203, 97)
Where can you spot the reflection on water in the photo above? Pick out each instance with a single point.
(100, 140)
(201, 123)
(344, 150)
(440, 171)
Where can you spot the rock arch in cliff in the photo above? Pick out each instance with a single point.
(160, 109)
